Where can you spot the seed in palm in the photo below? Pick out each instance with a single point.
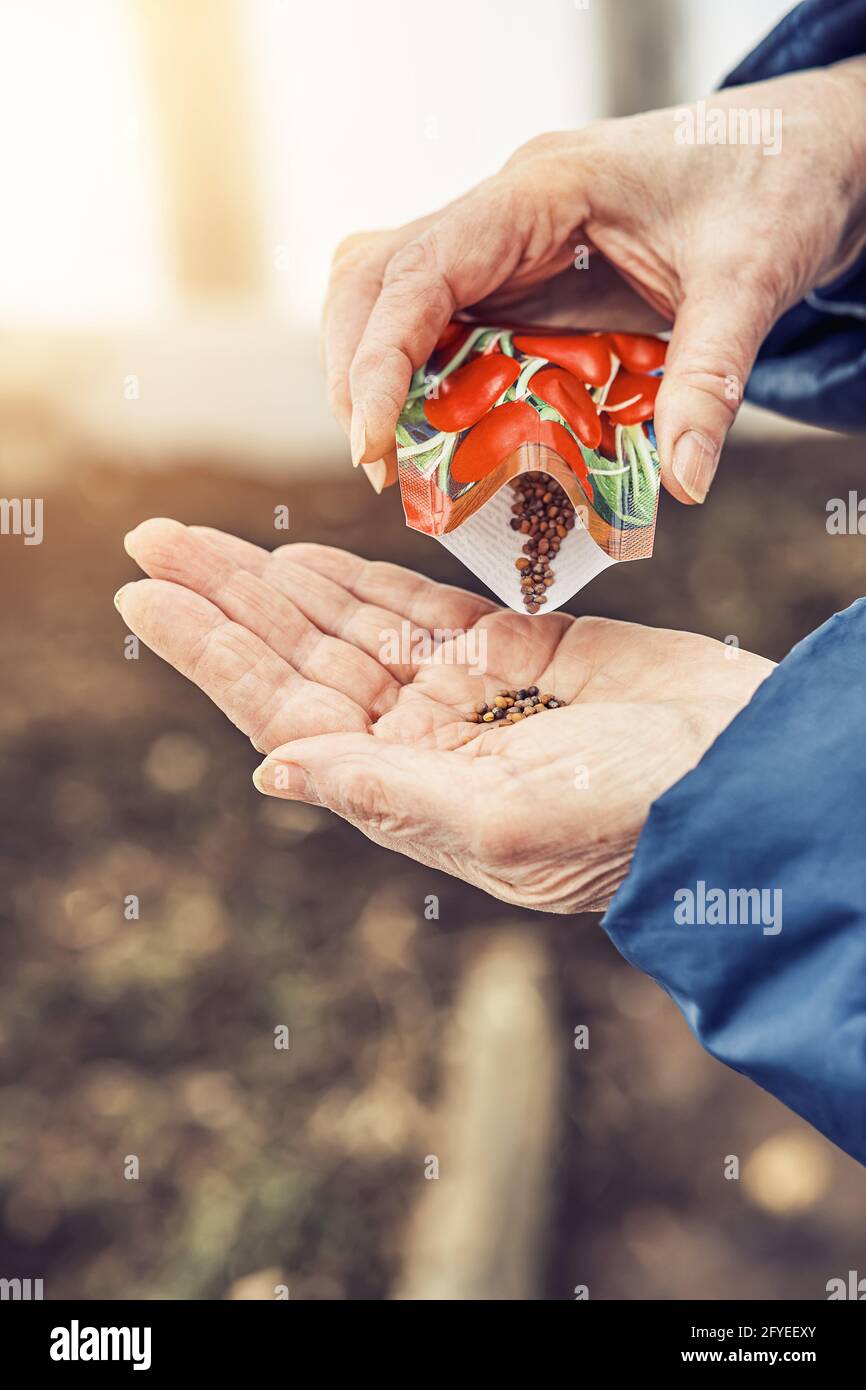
(513, 706)
(544, 515)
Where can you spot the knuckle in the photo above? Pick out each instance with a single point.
(167, 561)
(378, 365)
(414, 278)
(416, 259)
(762, 283)
(360, 797)
(355, 250)
(416, 269)
(722, 385)
(539, 147)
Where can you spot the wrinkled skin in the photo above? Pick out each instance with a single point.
(717, 239)
(544, 814)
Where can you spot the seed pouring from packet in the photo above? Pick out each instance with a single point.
(531, 455)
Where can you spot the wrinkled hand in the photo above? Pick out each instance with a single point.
(300, 648)
(718, 239)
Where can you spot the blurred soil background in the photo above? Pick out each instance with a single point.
(410, 1037)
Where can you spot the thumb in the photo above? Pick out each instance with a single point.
(391, 791)
(718, 331)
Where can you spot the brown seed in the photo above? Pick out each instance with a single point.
(543, 514)
(521, 564)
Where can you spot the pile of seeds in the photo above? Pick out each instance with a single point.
(543, 514)
(510, 706)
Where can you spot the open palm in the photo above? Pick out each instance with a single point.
(323, 660)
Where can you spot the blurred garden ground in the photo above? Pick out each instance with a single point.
(306, 1167)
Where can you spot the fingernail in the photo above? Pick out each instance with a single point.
(377, 473)
(358, 436)
(277, 778)
(117, 596)
(694, 464)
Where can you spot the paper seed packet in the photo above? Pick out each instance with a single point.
(493, 404)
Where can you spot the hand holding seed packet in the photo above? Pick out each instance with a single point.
(531, 455)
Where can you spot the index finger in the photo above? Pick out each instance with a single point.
(458, 258)
(357, 270)
(353, 288)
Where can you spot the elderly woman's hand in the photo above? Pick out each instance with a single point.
(322, 659)
(717, 239)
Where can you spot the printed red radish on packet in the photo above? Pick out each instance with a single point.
(531, 455)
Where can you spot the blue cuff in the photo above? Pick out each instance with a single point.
(771, 981)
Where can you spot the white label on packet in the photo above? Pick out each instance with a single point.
(487, 546)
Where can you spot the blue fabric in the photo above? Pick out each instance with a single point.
(812, 366)
(777, 803)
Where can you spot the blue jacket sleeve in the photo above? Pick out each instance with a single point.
(773, 981)
(812, 365)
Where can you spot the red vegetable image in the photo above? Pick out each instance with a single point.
(558, 437)
(586, 358)
(452, 338)
(574, 403)
(449, 333)
(639, 352)
(468, 393)
(608, 436)
(641, 391)
(495, 436)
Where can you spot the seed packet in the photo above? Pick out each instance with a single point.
(530, 454)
